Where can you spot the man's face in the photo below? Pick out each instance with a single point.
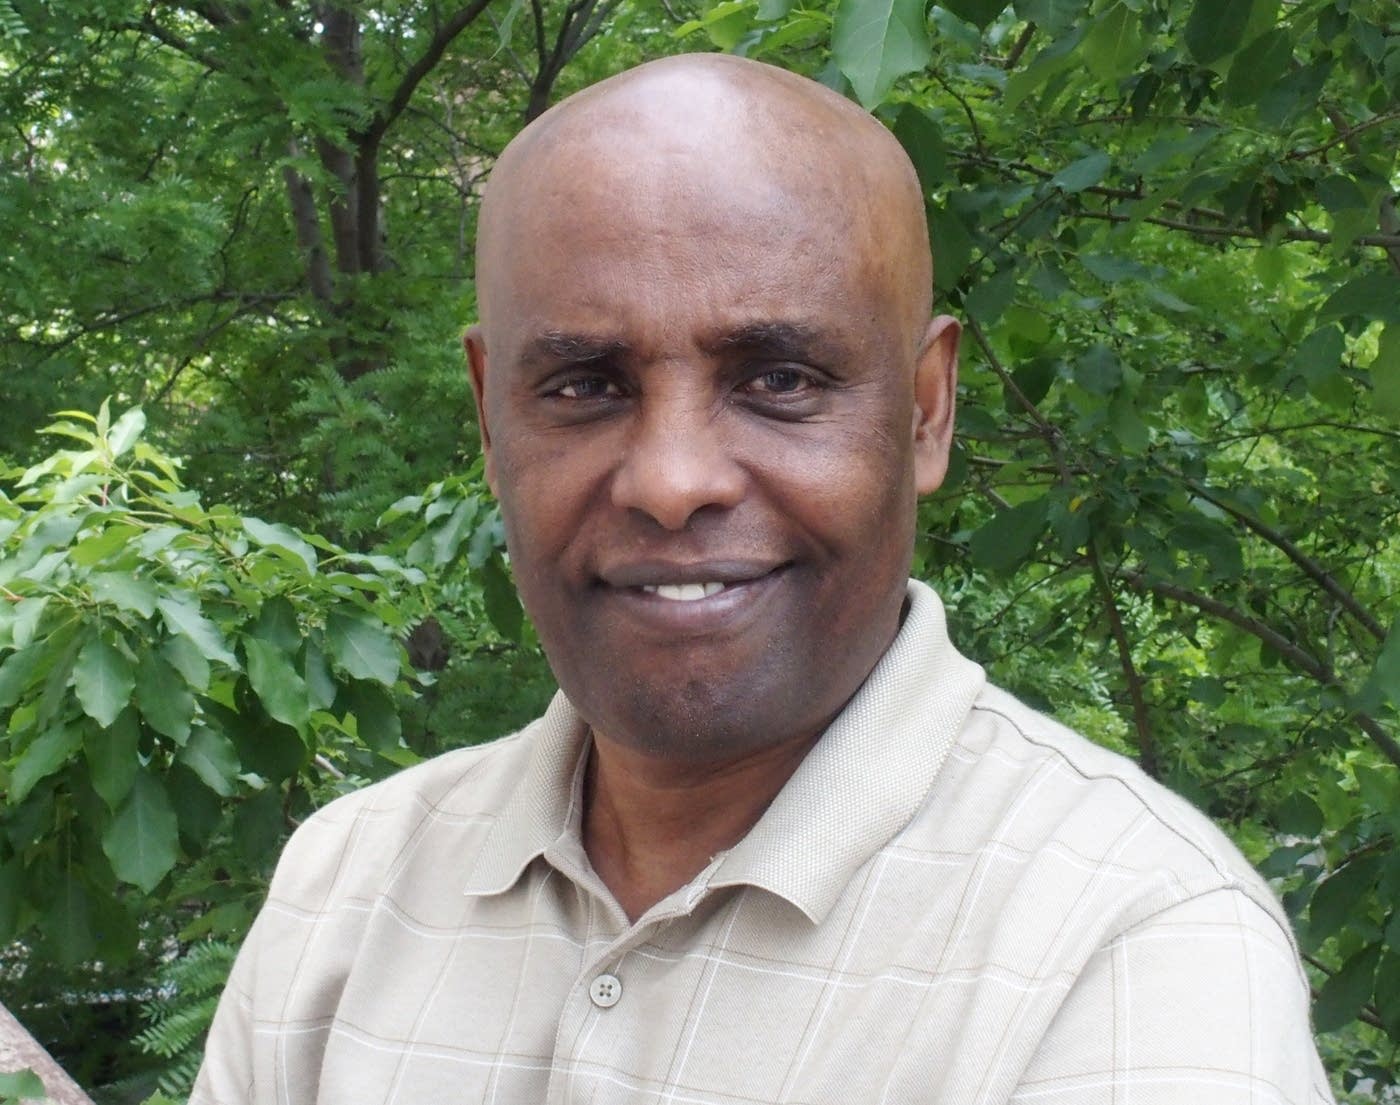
(699, 401)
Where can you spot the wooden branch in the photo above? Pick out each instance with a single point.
(1389, 217)
(1147, 745)
(1290, 233)
(1300, 658)
(458, 22)
(148, 26)
(1018, 48)
(307, 223)
(1346, 135)
(1388, 240)
(1311, 568)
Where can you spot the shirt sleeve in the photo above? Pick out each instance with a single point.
(1204, 1002)
(226, 1074)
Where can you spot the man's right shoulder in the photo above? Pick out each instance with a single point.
(355, 843)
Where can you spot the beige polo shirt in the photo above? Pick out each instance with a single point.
(954, 900)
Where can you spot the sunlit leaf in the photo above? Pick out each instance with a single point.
(875, 42)
(103, 680)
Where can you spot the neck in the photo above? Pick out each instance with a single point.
(650, 825)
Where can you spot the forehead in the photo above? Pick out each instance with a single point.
(661, 237)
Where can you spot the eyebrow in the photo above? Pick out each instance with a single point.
(779, 340)
(554, 347)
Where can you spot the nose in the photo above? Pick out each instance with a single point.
(677, 460)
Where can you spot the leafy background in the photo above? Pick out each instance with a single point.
(267, 571)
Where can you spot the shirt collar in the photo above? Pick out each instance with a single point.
(869, 773)
(862, 782)
(545, 807)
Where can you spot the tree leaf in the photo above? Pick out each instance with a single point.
(376, 720)
(977, 12)
(1372, 296)
(22, 1085)
(281, 539)
(163, 697)
(1216, 28)
(1347, 991)
(363, 648)
(502, 602)
(1114, 45)
(212, 757)
(1384, 679)
(952, 247)
(142, 841)
(125, 591)
(27, 615)
(875, 42)
(67, 923)
(1339, 895)
(48, 753)
(1081, 174)
(281, 689)
(1010, 537)
(1258, 67)
(277, 624)
(184, 657)
(923, 142)
(183, 618)
(112, 757)
(1385, 373)
(1099, 371)
(320, 686)
(18, 671)
(103, 679)
(125, 431)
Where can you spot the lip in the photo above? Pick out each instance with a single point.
(652, 573)
(749, 584)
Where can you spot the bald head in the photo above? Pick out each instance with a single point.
(748, 139)
(710, 393)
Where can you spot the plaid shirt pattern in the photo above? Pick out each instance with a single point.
(954, 900)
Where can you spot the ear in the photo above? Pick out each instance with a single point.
(935, 392)
(474, 342)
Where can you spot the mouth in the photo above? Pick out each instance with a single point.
(679, 584)
(684, 592)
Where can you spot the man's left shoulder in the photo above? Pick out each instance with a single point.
(1038, 790)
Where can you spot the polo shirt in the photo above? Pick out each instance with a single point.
(953, 899)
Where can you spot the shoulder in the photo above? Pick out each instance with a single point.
(1048, 800)
(353, 845)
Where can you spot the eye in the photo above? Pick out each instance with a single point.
(781, 381)
(586, 387)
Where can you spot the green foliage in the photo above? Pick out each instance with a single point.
(170, 675)
(178, 1018)
(20, 1086)
(1171, 515)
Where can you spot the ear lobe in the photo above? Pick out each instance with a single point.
(474, 342)
(935, 394)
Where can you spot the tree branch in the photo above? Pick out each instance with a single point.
(1311, 568)
(1300, 658)
(1147, 745)
(1018, 48)
(1289, 233)
(458, 22)
(307, 224)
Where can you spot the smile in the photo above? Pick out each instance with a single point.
(683, 592)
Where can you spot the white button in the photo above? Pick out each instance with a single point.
(606, 991)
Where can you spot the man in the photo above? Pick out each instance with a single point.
(775, 841)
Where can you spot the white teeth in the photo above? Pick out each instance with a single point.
(683, 592)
